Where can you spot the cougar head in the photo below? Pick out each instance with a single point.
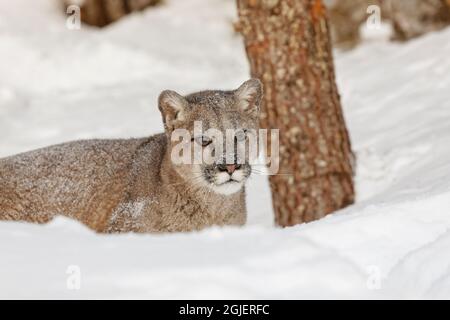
(211, 135)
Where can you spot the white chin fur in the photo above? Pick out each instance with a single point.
(223, 184)
(228, 187)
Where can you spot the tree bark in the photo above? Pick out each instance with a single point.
(288, 46)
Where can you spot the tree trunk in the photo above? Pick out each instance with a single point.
(102, 12)
(288, 46)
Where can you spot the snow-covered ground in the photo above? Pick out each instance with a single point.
(58, 84)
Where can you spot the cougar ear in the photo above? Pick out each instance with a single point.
(249, 96)
(172, 107)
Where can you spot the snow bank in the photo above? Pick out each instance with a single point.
(58, 85)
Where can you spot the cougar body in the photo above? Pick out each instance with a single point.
(133, 185)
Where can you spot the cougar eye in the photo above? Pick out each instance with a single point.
(241, 135)
(203, 140)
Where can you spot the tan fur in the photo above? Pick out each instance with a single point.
(127, 185)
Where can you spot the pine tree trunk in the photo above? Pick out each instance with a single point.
(288, 46)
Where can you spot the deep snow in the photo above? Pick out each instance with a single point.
(58, 85)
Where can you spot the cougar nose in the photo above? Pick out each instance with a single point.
(230, 168)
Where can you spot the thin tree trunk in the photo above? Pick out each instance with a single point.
(288, 46)
(346, 18)
(102, 12)
(412, 18)
(409, 18)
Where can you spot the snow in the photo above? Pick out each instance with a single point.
(58, 85)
